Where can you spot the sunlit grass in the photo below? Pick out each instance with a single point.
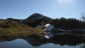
(20, 31)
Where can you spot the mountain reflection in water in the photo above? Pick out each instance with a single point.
(64, 41)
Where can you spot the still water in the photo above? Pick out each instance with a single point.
(17, 43)
(37, 43)
(21, 43)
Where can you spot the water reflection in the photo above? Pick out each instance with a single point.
(36, 41)
(17, 43)
(6, 38)
(58, 39)
(51, 45)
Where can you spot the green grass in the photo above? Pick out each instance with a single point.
(20, 31)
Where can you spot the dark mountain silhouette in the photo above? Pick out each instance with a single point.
(36, 19)
(33, 20)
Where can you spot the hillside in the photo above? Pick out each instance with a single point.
(36, 19)
(25, 27)
(14, 28)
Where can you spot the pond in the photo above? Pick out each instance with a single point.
(31, 42)
(17, 43)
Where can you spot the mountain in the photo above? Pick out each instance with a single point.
(36, 19)
(18, 27)
(27, 26)
(33, 20)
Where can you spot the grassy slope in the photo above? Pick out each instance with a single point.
(16, 29)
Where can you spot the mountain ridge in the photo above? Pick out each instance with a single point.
(36, 19)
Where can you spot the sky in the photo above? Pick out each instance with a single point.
(21, 9)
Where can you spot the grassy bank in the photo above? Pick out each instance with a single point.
(20, 31)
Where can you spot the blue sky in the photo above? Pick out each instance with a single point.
(22, 9)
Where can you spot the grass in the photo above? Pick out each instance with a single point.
(12, 28)
(20, 31)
